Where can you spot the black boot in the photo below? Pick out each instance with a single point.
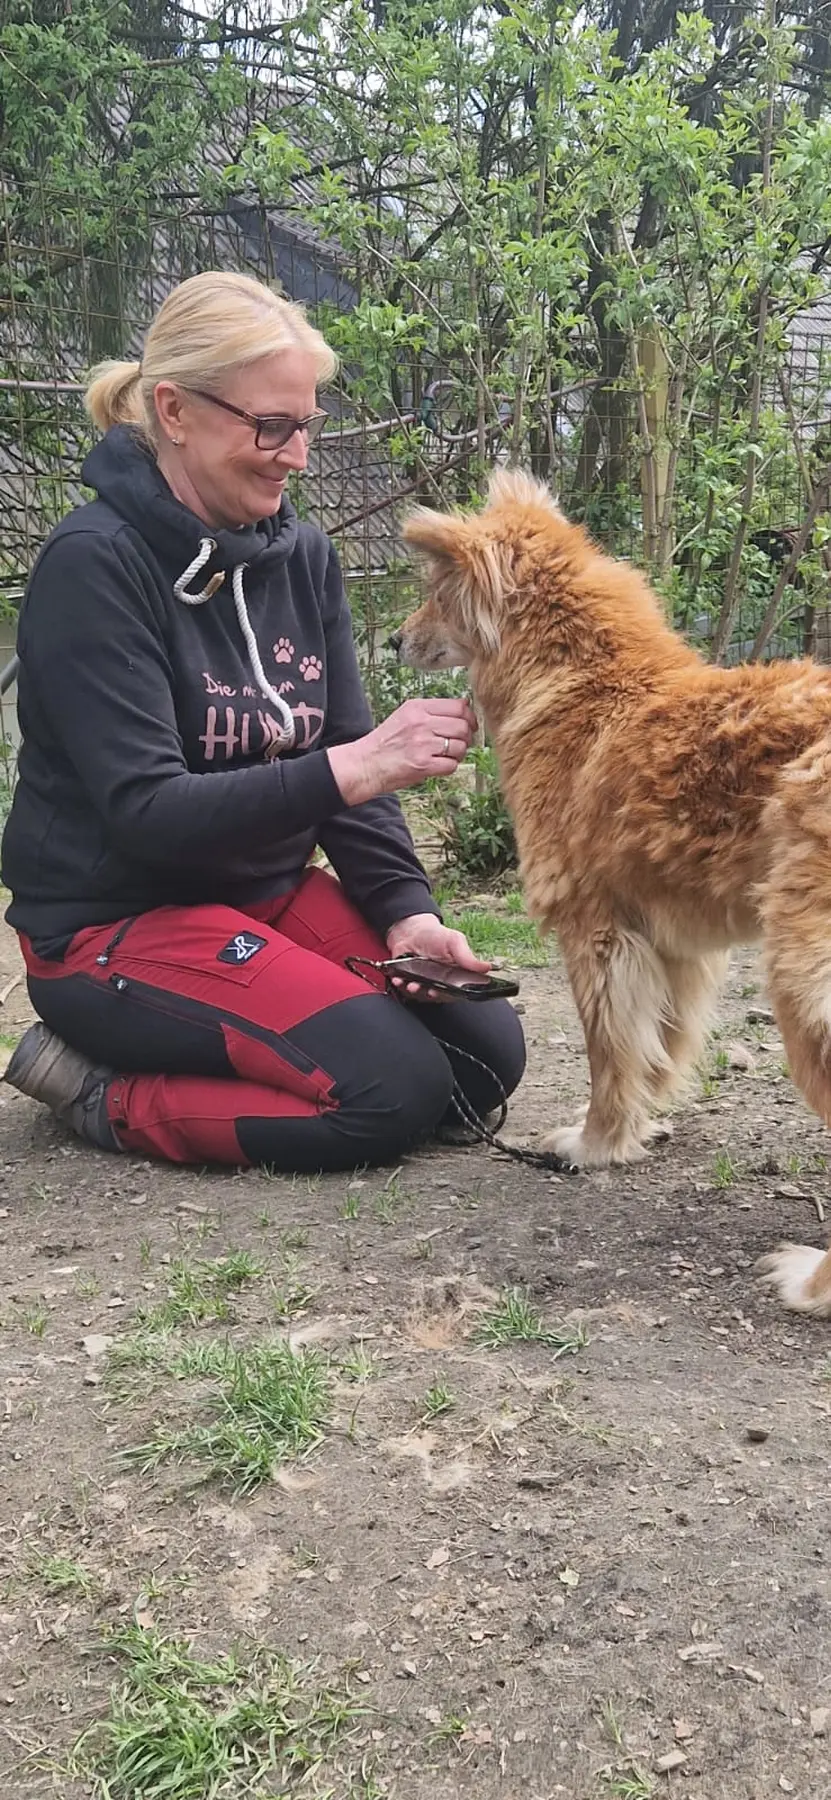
(45, 1069)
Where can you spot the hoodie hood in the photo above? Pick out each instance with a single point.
(124, 473)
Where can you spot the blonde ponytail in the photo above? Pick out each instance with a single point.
(113, 395)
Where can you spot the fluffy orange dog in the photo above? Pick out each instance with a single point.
(664, 810)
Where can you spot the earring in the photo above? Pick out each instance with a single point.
(174, 440)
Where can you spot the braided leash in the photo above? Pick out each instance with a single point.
(534, 1159)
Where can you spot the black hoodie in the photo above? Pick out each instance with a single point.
(150, 772)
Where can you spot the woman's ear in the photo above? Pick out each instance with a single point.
(170, 407)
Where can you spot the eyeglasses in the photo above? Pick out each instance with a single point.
(273, 430)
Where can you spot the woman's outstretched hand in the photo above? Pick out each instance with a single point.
(420, 739)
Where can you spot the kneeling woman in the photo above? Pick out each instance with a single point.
(193, 726)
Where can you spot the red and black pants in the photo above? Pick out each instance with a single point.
(240, 1037)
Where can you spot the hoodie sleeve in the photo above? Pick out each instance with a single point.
(97, 667)
(369, 845)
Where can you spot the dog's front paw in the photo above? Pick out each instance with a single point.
(567, 1142)
(580, 1151)
(789, 1270)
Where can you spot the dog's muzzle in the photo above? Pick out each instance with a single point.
(394, 642)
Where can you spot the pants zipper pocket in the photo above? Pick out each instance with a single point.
(114, 942)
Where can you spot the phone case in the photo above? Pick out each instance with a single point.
(446, 978)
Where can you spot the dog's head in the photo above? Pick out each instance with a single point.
(471, 572)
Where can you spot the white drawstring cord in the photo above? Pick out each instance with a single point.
(206, 549)
(288, 734)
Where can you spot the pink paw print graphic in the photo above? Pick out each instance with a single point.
(283, 650)
(311, 668)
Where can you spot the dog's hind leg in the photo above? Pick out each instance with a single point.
(622, 993)
(795, 907)
(693, 983)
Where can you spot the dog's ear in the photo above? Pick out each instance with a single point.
(466, 566)
(434, 534)
(516, 486)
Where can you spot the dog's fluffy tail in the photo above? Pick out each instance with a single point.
(796, 916)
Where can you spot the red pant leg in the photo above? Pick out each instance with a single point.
(193, 1118)
(244, 984)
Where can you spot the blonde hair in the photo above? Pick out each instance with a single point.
(207, 326)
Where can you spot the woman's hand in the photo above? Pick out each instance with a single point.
(425, 935)
(420, 739)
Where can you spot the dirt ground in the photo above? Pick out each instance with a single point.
(605, 1574)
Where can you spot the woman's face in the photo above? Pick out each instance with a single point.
(216, 469)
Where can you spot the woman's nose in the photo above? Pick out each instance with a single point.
(295, 453)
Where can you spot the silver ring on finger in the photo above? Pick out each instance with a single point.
(446, 751)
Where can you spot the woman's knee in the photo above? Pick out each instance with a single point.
(488, 1039)
(400, 1091)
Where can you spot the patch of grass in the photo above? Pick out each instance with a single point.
(60, 1574)
(629, 1784)
(310, 1184)
(291, 1294)
(358, 1365)
(437, 1401)
(143, 1349)
(815, 1164)
(36, 1318)
(451, 1726)
(294, 1238)
(611, 1725)
(510, 936)
(200, 1290)
(515, 1319)
(291, 1299)
(351, 1204)
(187, 1729)
(306, 1556)
(392, 1199)
(725, 1171)
(269, 1403)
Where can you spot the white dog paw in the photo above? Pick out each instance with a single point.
(569, 1142)
(788, 1271)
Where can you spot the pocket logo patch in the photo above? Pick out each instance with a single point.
(241, 948)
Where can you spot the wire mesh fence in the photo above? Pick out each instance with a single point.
(74, 287)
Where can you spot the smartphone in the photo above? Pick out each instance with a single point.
(449, 978)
